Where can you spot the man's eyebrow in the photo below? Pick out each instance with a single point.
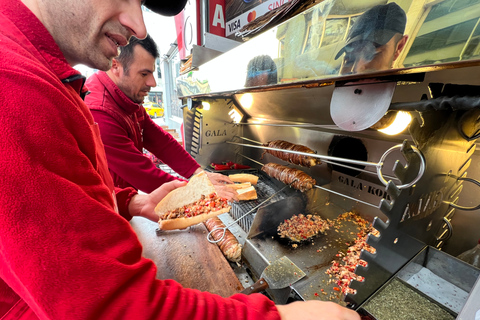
(146, 70)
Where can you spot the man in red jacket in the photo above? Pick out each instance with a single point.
(115, 100)
(67, 250)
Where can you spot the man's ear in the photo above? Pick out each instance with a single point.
(400, 45)
(116, 67)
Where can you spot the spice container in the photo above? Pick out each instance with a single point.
(432, 286)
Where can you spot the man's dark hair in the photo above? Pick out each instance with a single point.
(262, 64)
(126, 53)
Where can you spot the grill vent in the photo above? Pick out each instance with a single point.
(192, 131)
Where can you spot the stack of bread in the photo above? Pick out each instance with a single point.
(244, 185)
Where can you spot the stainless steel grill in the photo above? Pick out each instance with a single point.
(265, 188)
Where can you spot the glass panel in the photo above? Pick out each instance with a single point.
(339, 37)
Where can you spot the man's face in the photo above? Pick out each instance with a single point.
(365, 56)
(90, 31)
(138, 80)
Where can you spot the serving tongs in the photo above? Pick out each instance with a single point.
(209, 235)
(336, 160)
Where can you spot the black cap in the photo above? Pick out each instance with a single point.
(378, 24)
(165, 7)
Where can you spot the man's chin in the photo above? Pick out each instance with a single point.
(102, 63)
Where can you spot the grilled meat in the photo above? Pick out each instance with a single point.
(301, 180)
(297, 159)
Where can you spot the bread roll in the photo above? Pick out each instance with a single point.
(244, 177)
(237, 186)
(248, 193)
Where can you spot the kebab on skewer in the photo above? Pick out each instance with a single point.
(228, 244)
(298, 159)
(294, 177)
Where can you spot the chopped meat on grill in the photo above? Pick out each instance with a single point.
(303, 181)
(297, 159)
(343, 272)
(300, 227)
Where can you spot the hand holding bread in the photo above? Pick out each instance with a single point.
(191, 204)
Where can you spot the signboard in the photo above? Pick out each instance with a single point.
(241, 12)
(188, 24)
(217, 17)
(186, 27)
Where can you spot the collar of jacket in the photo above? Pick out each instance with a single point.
(48, 52)
(118, 96)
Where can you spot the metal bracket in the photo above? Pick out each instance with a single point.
(456, 206)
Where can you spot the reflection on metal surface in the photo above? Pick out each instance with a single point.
(305, 47)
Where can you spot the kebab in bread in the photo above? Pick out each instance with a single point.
(191, 204)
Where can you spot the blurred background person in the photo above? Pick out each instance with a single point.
(261, 70)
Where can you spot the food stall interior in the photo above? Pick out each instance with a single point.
(406, 204)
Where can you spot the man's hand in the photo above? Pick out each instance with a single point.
(316, 310)
(143, 205)
(218, 178)
(224, 191)
(221, 181)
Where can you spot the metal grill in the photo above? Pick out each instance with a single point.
(167, 169)
(265, 188)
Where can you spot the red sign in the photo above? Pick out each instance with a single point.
(217, 17)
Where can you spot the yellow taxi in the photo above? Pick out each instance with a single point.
(153, 109)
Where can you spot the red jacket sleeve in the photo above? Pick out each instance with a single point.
(64, 251)
(167, 149)
(124, 196)
(127, 161)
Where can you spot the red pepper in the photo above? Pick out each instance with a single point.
(217, 166)
(229, 163)
(237, 166)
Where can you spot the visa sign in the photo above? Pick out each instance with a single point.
(237, 23)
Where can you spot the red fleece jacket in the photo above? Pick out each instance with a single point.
(64, 252)
(126, 129)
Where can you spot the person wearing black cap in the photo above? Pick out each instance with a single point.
(375, 40)
(67, 250)
(261, 70)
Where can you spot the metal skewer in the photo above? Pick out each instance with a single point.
(209, 235)
(377, 165)
(317, 186)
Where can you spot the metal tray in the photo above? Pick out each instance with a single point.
(433, 285)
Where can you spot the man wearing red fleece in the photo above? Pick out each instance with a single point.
(67, 250)
(115, 100)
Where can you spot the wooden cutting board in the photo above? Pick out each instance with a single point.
(187, 257)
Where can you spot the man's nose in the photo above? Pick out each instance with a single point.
(151, 81)
(132, 19)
